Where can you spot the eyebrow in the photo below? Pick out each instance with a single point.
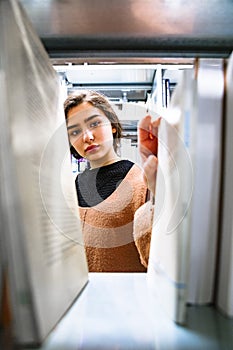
(85, 121)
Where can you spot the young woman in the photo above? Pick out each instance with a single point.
(110, 192)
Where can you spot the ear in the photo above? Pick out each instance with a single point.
(114, 130)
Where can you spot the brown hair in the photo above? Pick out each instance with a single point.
(99, 101)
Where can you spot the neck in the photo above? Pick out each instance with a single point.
(107, 162)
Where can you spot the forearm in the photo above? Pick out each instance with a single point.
(143, 221)
(150, 173)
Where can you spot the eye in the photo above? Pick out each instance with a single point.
(75, 132)
(95, 123)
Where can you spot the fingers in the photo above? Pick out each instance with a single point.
(148, 128)
(148, 143)
(154, 126)
(144, 128)
(148, 139)
(145, 122)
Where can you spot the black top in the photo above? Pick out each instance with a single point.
(95, 185)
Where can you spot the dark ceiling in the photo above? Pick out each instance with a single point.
(110, 33)
(133, 28)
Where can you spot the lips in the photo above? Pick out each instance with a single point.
(91, 148)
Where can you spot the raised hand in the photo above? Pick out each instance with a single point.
(148, 148)
(148, 136)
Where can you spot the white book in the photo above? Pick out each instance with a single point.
(46, 261)
(225, 278)
(206, 155)
(169, 252)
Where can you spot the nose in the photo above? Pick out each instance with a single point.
(88, 135)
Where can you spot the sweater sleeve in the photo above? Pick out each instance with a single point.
(142, 229)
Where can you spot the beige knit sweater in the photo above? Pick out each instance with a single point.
(143, 222)
(108, 227)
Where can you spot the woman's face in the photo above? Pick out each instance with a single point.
(90, 133)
